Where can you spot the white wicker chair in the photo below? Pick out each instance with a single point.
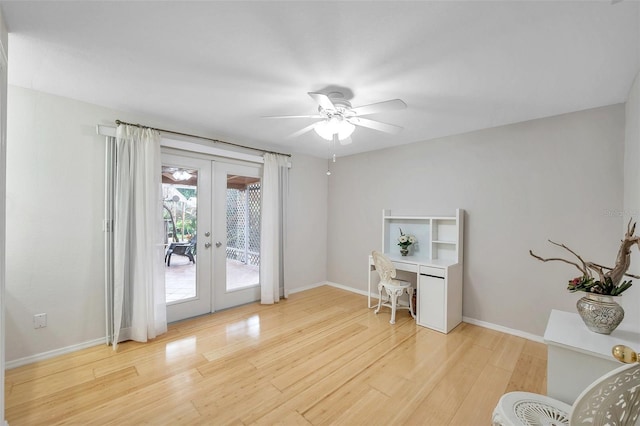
(393, 288)
(613, 399)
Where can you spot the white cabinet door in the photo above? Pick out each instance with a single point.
(431, 302)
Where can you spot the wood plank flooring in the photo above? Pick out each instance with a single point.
(319, 357)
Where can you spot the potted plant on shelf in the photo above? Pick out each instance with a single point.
(404, 241)
(598, 307)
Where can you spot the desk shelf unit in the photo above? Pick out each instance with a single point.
(436, 261)
(439, 237)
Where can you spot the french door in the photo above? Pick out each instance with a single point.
(236, 265)
(212, 235)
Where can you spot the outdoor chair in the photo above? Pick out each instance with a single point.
(182, 249)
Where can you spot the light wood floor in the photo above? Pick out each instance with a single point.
(320, 357)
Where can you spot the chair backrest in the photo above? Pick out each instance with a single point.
(384, 266)
(613, 399)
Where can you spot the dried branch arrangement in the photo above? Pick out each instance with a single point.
(609, 280)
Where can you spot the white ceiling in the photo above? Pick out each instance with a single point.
(221, 66)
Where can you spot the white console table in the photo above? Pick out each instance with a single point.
(578, 356)
(439, 284)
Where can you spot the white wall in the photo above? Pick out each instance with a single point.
(632, 153)
(631, 208)
(554, 178)
(3, 163)
(55, 205)
(306, 240)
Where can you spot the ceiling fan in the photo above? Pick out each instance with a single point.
(338, 119)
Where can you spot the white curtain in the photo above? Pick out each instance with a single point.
(275, 186)
(138, 294)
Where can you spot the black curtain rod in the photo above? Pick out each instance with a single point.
(118, 122)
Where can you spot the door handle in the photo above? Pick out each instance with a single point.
(218, 244)
(207, 245)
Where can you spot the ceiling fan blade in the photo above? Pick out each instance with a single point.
(346, 141)
(391, 105)
(294, 116)
(302, 131)
(375, 125)
(322, 100)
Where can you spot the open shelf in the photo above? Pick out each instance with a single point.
(438, 237)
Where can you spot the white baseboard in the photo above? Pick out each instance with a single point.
(304, 288)
(468, 320)
(351, 289)
(56, 352)
(503, 329)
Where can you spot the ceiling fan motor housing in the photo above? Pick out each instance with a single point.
(341, 106)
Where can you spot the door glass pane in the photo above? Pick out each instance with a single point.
(243, 232)
(180, 199)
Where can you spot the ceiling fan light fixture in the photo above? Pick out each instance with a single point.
(332, 126)
(181, 175)
(346, 129)
(323, 130)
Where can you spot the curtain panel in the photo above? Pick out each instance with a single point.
(275, 188)
(136, 308)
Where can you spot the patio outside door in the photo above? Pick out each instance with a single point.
(238, 196)
(186, 191)
(212, 228)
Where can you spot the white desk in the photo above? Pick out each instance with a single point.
(578, 356)
(439, 283)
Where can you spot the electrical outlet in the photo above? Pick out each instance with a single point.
(39, 320)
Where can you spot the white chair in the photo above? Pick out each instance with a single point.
(393, 288)
(613, 399)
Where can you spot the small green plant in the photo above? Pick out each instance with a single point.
(589, 285)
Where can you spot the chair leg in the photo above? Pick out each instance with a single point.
(379, 300)
(394, 302)
(410, 293)
(169, 259)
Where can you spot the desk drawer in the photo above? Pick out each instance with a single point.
(409, 267)
(429, 270)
